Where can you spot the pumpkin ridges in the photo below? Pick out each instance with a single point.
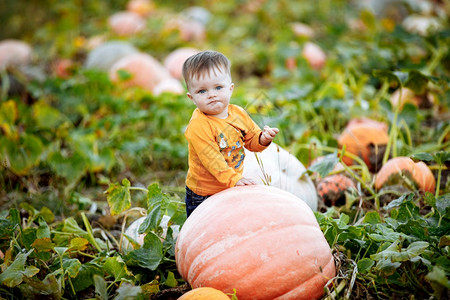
(271, 267)
(222, 211)
(357, 140)
(293, 295)
(203, 247)
(395, 169)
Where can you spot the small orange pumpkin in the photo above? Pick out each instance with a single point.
(398, 170)
(331, 189)
(366, 140)
(260, 240)
(204, 293)
(126, 23)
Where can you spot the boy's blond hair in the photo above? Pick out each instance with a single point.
(203, 63)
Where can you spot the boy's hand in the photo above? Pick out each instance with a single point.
(267, 135)
(245, 181)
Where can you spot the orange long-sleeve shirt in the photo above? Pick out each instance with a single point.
(216, 152)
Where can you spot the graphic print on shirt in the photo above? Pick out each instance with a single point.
(231, 147)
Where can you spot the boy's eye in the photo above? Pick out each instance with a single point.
(219, 88)
(202, 91)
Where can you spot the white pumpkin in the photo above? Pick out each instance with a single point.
(285, 171)
(132, 232)
(107, 54)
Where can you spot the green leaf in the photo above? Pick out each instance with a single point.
(365, 264)
(71, 267)
(8, 112)
(116, 267)
(152, 220)
(47, 214)
(124, 74)
(100, 287)
(69, 167)
(171, 281)
(71, 226)
(61, 250)
(43, 230)
(43, 245)
(388, 76)
(439, 276)
(326, 165)
(14, 216)
(372, 217)
(25, 154)
(417, 82)
(128, 291)
(30, 271)
(78, 244)
(7, 228)
(443, 204)
(422, 156)
(149, 256)
(13, 275)
(46, 116)
(85, 276)
(118, 197)
(399, 201)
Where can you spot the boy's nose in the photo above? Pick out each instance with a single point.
(212, 93)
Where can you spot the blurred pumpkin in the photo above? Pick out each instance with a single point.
(204, 293)
(197, 13)
(404, 171)
(426, 100)
(14, 53)
(189, 30)
(277, 167)
(106, 54)
(63, 68)
(126, 23)
(355, 122)
(314, 55)
(168, 85)
(175, 60)
(302, 30)
(260, 240)
(140, 7)
(146, 72)
(367, 140)
(331, 189)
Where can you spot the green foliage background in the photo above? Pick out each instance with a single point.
(66, 143)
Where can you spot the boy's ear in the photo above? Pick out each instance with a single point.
(189, 95)
(232, 86)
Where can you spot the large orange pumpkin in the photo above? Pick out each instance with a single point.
(204, 293)
(400, 169)
(260, 240)
(366, 140)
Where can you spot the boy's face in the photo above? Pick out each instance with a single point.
(211, 93)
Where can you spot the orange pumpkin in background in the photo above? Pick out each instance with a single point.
(400, 170)
(146, 72)
(141, 7)
(331, 189)
(126, 23)
(366, 139)
(259, 240)
(204, 293)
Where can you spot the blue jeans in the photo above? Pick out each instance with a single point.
(192, 201)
